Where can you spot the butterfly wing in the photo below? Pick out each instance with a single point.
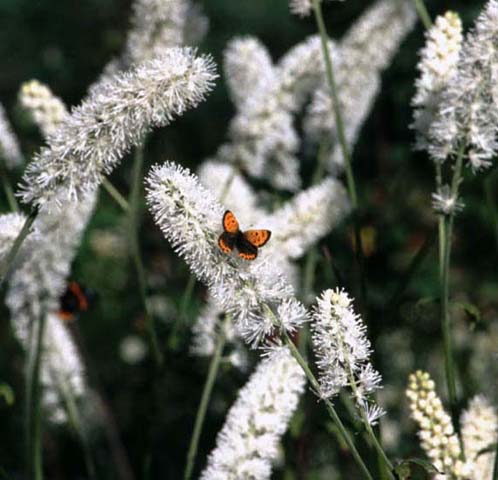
(246, 249)
(257, 238)
(226, 242)
(230, 223)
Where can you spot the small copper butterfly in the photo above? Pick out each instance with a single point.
(246, 243)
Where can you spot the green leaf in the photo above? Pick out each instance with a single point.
(473, 313)
(7, 393)
(403, 468)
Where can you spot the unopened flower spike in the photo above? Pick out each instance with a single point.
(438, 439)
(47, 111)
(190, 217)
(247, 445)
(343, 353)
(116, 116)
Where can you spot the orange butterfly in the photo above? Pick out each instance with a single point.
(247, 242)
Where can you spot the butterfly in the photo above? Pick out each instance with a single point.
(75, 299)
(247, 243)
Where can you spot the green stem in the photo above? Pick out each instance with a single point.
(495, 468)
(115, 195)
(423, 13)
(185, 302)
(201, 412)
(75, 422)
(10, 257)
(341, 133)
(330, 408)
(136, 255)
(415, 263)
(492, 206)
(34, 431)
(445, 291)
(9, 193)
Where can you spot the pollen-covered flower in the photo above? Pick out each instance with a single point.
(190, 217)
(343, 352)
(437, 67)
(468, 116)
(445, 203)
(248, 443)
(365, 51)
(10, 227)
(438, 439)
(115, 117)
(46, 110)
(479, 427)
(10, 152)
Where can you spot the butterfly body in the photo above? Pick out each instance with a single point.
(246, 243)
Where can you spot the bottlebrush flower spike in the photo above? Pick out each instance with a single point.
(263, 140)
(248, 68)
(301, 7)
(479, 427)
(231, 189)
(10, 226)
(115, 117)
(10, 152)
(247, 445)
(156, 25)
(364, 52)
(437, 67)
(190, 217)
(436, 433)
(343, 352)
(468, 116)
(210, 322)
(38, 280)
(46, 110)
(307, 217)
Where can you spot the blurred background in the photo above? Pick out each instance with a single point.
(66, 45)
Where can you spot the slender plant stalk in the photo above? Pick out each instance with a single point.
(495, 468)
(445, 292)
(423, 13)
(9, 193)
(201, 412)
(75, 422)
(492, 206)
(373, 438)
(34, 425)
(115, 195)
(415, 264)
(350, 180)
(10, 257)
(330, 408)
(134, 213)
(184, 303)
